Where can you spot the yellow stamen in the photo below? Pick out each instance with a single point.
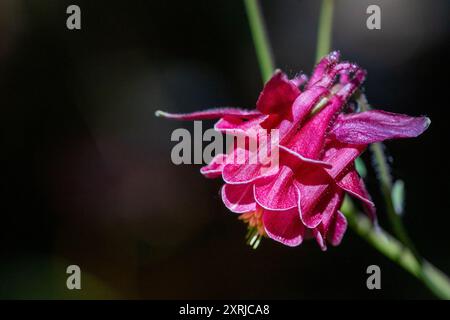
(255, 227)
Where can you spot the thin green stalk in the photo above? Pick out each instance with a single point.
(386, 189)
(325, 29)
(260, 39)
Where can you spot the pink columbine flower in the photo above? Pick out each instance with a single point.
(319, 140)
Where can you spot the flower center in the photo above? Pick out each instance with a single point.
(255, 227)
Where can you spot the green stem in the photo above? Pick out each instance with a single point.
(325, 29)
(432, 277)
(260, 39)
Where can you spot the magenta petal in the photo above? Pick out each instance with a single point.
(242, 167)
(353, 184)
(331, 203)
(322, 68)
(241, 173)
(215, 167)
(284, 226)
(323, 210)
(210, 114)
(319, 239)
(300, 80)
(375, 125)
(238, 198)
(312, 183)
(236, 125)
(278, 94)
(337, 229)
(294, 159)
(341, 156)
(277, 192)
(309, 141)
(301, 108)
(303, 105)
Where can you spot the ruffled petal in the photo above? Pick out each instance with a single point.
(241, 174)
(238, 198)
(341, 155)
(337, 229)
(284, 226)
(210, 114)
(278, 95)
(215, 167)
(375, 125)
(312, 183)
(245, 166)
(277, 192)
(353, 184)
(324, 209)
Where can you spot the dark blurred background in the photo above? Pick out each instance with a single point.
(87, 178)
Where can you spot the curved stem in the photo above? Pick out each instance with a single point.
(260, 39)
(325, 29)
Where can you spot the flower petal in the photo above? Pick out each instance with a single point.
(341, 155)
(319, 239)
(312, 183)
(215, 167)
(337, 229)
(353, 184)
(323, 210)
(210, 114)
(299, 80)
(278, 94)
(238, 198)
(237, 125)
(277, 192)
(375, 125)
(284, 226)
(287, 124)
(309, 140)
(324, 65)
(294, 159)
(303, 105)
(245, 166)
